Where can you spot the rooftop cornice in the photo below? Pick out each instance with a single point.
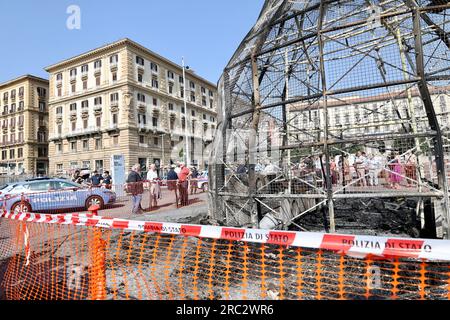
(23, 78)
(131, 44)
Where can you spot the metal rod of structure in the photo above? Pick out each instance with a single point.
(431, 113)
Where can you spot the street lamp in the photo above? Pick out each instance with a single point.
(188, 160)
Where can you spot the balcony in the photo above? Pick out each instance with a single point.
(97, 71)
(73, 78)
(84, 75)
(73, 113)
(142, 107)
(98, 107)
(113, 66)
(84, 132)
(59, 83)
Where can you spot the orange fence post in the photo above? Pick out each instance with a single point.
(97, 271)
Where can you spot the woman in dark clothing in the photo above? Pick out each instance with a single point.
(172, 181)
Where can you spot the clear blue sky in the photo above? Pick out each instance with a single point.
(207, 32)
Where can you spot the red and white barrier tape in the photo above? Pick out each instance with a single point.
(350, 245)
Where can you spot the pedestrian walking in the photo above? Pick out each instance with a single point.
(135, 187)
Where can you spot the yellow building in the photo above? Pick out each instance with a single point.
(24, 131)
(123, 99)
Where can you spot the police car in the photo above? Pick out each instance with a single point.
(47, 194)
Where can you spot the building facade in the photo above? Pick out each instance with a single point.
(24, 121)
(123, 99)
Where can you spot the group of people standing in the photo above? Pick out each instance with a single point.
(95, 180)
(178, 179)
(366, 170)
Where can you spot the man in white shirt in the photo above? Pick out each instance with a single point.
(152, 178)
(374, 170)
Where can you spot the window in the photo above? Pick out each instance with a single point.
(41, 106)
(204, 101)
(59, 129)
(142, 119)
(114, 97)
(114, 59)
(170, 75)
(154, 67)
(182, 92)
(114, 76)
(41, 136)
(98, 64)
(59, 92)
(204, 116)
(170, 88)
(21, 106)
(73, 146)
(85, 124)
(155, 121)
(4, 155)
(42, 92)
(85, 68)
(180, 79)
(73, 107)
(141, 97)
(40, 186)
(170, 106)
(20, 153)
(183, 111)
(192, 85)
(139, 61)
(114, 118)
(211, 104)
(86, 164)
(84, 104)
(13, 94)
(193, 113)
(140, 77)
(73, 73)
(85, 145)
(141, 139)
(156, 141)
(59, 110)
(97, 81)
(155, 83)
(98, 121)
(98, 101)
(74, 126)
(5, 110)
(98, 144)
(13, 107)
(59, 167)
(74, 88)
(59, 148)
(12, 153)
(203, 90)
(21, 92)
(211, 94)
(85, 85)
(192, 97)
(59, 77)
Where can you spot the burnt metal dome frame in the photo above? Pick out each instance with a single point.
(282, 32)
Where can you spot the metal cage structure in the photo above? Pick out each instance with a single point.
(332, 111)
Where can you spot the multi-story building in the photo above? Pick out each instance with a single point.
(361, 116)
(123, 99)
(24, 121)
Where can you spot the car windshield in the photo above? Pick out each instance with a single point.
(3, 187)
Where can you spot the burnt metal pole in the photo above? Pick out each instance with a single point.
(326, 150)
(434, 124)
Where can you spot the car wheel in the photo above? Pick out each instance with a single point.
(205, 187)
(20, 207)
(94, 201)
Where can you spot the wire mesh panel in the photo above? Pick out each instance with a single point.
(331, 105)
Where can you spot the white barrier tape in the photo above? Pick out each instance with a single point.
(351, 245)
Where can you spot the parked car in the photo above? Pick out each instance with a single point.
(52, 194)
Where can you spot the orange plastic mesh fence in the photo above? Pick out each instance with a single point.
(79, 262)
